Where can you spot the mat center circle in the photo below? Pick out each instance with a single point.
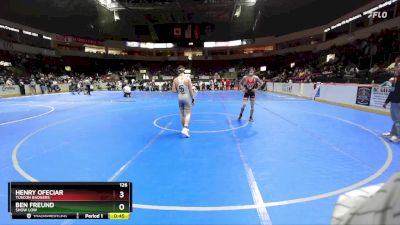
(202, 123)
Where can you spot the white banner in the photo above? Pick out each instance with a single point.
(287, 87)
(204, 77)
(379, 96)
(290, 88)
(6, 91)
(335, 93)
(167, 77)
(270, 86)
(308, 90)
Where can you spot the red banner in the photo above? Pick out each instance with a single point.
(178, 32)
(196, 32)
(68, 38)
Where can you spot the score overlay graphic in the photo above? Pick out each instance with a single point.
(70, 200)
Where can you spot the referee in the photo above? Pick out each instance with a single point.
(87, 83)
(394, 99)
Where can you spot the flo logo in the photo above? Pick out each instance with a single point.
(377, 14)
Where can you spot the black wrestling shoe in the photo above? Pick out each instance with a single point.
(251, 119)
(240, 117)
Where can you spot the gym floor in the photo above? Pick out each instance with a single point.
(287, 167)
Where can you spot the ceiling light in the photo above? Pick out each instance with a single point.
(116, 15)
(248, 2)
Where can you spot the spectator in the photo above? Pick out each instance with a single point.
(392, 67)
(87, 84)
(374, 69)
(49, 85)
(54, 86)
(9, 82)
(32, 86)
(394, 99)
(127, 91)
(228, 84)
(233, 84)
(43, 85)
(21, 85)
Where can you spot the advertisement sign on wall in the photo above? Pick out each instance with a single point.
(379, 95)
(363, 96)
(287, 88)
(6, 90)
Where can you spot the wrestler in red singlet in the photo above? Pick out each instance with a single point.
(249, 85)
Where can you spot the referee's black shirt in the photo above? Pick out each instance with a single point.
(394, 96)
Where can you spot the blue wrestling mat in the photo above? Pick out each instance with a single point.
(287, 167)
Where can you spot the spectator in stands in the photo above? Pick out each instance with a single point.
(9, 82)
(228, 84)
(211, 82)
(32, 86)
(119, 85)
(392, 67)
(54, 86)
(351, 71)
(21, 85)
(43, 85)
(49, 85)
(374, 69)
(219, 85)
(373, 48)
(72, 85)
(87, 84)
(376, 73)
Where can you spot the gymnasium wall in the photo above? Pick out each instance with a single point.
(363, 97)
